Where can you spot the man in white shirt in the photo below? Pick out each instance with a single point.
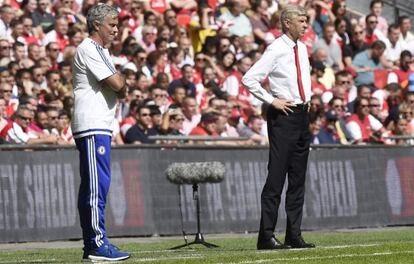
(17, 132)
(191, 115)
(240, 24)
(394, 45)
(6, 16)
(285, 63)
(328, 43)
(97, 85)
(405, 26)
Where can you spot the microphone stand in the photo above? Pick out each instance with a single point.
(199, 239)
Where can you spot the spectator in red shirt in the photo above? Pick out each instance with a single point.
(184, 8)
(58, 34)
(159, 7)
(6, 93)
(207, 125)
(30, 35)
(52, 54)
(317, 72)
(406, 68)
(130, 120)
(135, 15)
(362, 126)
(3, 120)
(64, 128)
(176, 57)
(170, 20)
(372, 34)
(39, 124)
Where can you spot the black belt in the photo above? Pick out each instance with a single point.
(300, 108)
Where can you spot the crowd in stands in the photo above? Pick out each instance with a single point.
(183, 61)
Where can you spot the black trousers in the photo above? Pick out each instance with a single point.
(289, 140)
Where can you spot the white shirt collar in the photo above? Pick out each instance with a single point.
(288, 41)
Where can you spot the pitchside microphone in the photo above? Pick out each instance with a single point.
(195, 172)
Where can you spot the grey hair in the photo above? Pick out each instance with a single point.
(290, 12)
(98, 13)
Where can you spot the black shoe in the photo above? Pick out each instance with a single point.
(298, 243)
(270, 244)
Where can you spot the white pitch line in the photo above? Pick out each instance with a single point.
(321, 257)
(318, 247)
(167, 258)
(30, 261)
(349, 246)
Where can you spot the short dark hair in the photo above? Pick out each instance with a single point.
(63, 112)
(333, 99)
(142, 106)
(362, 86)
(154, 110)
(357, 102)
(378, 44)
(342, 73)
(314, 116)
(153, 87)
(64, 64)
(402, 18)
(147, 14)
(252, 118)
(405, 53)
(50, 72)
(186, 66)
(18, 44)
(393, 26)
(373, 2)
(368, 16)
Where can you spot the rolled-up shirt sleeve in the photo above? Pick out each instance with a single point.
(258, 72)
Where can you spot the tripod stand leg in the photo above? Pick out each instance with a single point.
(181, 246)
(209, 245)
(199, 239)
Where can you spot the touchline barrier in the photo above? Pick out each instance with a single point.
(347, 187)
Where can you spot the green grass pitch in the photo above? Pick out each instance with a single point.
(389, 245)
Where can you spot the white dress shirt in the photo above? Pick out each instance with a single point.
(392, 53)
(278, 64)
